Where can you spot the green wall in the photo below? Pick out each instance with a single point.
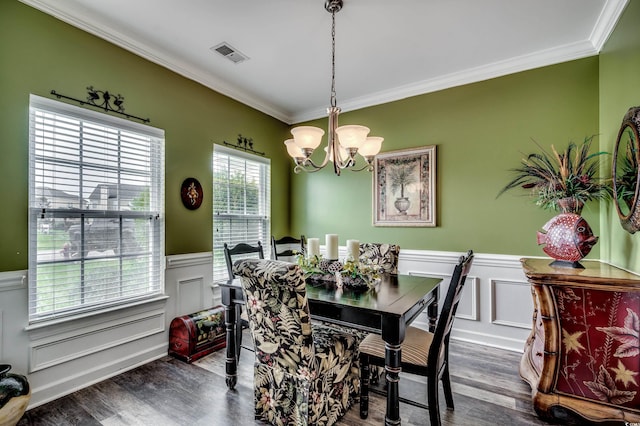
(619, 90)
(39, 53)
(481, 131)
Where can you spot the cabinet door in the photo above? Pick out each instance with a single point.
(600, 351)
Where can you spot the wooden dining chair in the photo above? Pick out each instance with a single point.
(304, 373)
(423, 353)
(283, 248)
(383, 255)
(241, 250)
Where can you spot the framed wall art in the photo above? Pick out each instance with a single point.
(404, 187)
(191, 193)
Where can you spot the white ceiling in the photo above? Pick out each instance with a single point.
(385, 50)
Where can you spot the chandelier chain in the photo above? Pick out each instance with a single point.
(333, 58)
(342, 154)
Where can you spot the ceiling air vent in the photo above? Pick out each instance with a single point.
(230, 53)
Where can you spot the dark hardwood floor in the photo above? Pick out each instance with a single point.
(486, 385)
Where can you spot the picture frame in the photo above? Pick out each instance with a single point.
(191, 193)
(404, 187)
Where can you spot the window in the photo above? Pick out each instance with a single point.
(241, 203)
(96, 191)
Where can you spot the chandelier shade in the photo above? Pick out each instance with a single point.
(292, 149)
(371, 147)
(352, 136)
(308, 137)
(344, 142)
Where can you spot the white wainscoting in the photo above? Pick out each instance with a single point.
(496, 305)
(66, 356)
(190, 276)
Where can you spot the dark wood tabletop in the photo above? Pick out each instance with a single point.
(401, 296)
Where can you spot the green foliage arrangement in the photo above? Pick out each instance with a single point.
(560, 176)
(353, 274)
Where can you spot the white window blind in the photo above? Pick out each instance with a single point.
(241, 203)
(96, 226)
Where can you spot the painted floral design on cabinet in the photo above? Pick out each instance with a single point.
(600, 350)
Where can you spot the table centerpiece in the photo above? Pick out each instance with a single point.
(356, 275)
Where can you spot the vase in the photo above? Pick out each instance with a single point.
(15, 394)
(570, 205)
(567, 238)
(402, 204)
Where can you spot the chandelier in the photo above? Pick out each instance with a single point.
(344, 142)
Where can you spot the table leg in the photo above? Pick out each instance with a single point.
(238, 331)
(231, 367)
(393, 357)
(432, 312)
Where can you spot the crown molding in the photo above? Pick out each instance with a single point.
(606, 23)
(473, 75)
(83, 22)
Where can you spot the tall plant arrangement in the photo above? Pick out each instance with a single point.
(563, 180)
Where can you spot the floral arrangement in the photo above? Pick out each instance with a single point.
(562, 180)
(351, 274)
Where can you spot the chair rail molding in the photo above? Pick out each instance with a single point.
(189, 259)
(13, 280)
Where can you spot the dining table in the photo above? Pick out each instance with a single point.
(387, 309)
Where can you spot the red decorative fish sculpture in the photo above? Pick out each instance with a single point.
(567, 237)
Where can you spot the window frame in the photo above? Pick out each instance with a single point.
(264, 215)
(150, 254)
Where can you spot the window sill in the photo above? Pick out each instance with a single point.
(98, 316)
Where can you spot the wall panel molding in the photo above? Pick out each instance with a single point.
(78, 379)
(503, 293)
(54, 350)
(469, 303)
(486, 315)
(190, 292)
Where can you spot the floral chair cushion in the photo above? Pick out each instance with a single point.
(384, 255)
(304, 374)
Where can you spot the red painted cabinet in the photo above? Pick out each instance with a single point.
(582, 358)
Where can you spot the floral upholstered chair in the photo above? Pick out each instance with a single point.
(304, 374)
(383, 255)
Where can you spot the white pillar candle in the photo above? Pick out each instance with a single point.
(332, 246)
(353, 249)
(313, 247)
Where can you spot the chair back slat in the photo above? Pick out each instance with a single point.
(437, 355)
(283, 248)
(241, 249)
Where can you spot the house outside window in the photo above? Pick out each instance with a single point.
(241, 203)
(96, 225)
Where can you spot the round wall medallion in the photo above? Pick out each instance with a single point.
(191, 193)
